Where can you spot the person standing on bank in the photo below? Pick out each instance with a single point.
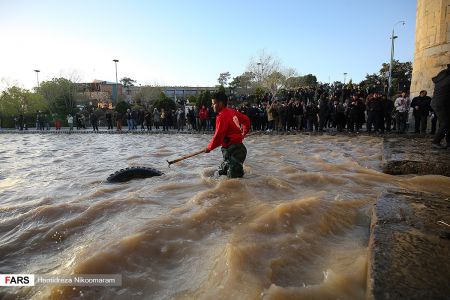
(441, 107)
(402, 107)
(70, 122)
(231, 128)
(94, 120)
(421, 110)
(109, 121)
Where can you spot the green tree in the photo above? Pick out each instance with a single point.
(148, 95)
(244, 83)
(223, 78)
(127, 82)
(15, 101)
(221, 89)
(257, 96)
(372, 82)
(308, 80)
(164, 102)
(192, 100)
(275, 81)
(122, 107)
(401, 78)
(259, 93)
(204, 99)
(401, 75)
(60, 95)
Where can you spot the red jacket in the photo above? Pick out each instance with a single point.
(231, 127)
(203, 114)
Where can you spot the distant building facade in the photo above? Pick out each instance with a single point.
(176, 93)
(101, 93)
(183, 93)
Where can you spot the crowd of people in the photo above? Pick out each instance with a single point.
(298, 113)
(377, 112)
(303, 110)
(322, 108)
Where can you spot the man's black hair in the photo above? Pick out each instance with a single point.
(221, 97)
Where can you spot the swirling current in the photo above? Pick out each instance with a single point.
(295, 227)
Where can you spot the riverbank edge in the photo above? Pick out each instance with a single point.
(408, 246)
(409, 234)
(193, 132)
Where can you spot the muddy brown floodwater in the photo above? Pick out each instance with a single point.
(296, 227)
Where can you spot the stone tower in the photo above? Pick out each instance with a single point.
(432, 45)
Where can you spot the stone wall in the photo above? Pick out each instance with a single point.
(432, 44)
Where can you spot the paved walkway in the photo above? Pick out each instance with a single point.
(414, 155)
(409, 246)
(330, 131)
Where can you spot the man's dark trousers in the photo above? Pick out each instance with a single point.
(443, 131)
(233, 159)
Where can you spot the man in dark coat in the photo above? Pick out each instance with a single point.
(388, 108)
(108, 117)
(324, 111)
(94, 120)
(21, 122)
(379, 113)
(311, 116)
(441, 107)
(421, 110)
(371, 113)
(361, 114)
(135, 117)
(141, 118)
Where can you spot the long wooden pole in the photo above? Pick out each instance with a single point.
(199, 152)
(185, 157)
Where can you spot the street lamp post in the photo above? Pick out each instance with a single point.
(262, 71)
(343, 88)
(117, 82)
(393, 37)
(37, 76)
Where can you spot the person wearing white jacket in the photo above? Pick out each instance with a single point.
(402, 104)
(70, 122)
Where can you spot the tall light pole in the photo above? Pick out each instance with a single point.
(37, 76)
(343, 87)
(393, 37)
(262, 71)
(117, 82)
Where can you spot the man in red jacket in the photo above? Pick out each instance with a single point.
(231, 128)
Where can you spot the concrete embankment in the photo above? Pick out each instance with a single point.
(410, 231)
(403, 156)
(409, 246)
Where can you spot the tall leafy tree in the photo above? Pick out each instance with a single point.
(244, 83)
(204, 99)
(164, 102)
(401, 78)
(127, 82)
(60, 95)
(401, 75)
(122, 107)
(148, 95)
(294, 82)
(16, 101)
(223, 78)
